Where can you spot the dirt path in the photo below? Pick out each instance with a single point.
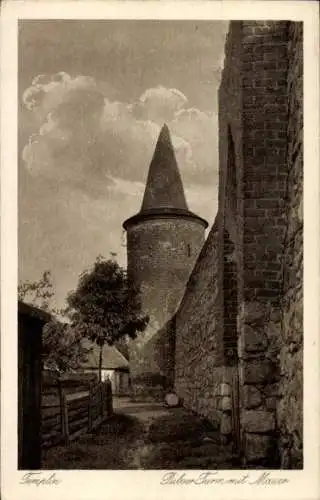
(146, 436)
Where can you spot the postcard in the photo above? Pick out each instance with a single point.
(160, 250)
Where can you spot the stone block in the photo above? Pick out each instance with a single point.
(272, 390)
(225, 403)
(273, 329)
(251, 397)
(276, 315)
(271, 403)
(258, 421)
(254, 312)
(256, 447)
(259, 372)
(254, 340)
(226, 424)
(224, 389)
(214, 417)
(171, 399)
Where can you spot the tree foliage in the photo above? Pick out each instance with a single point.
(61, 344)
(106, 305)
(38, 293)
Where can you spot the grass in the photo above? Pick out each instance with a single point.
(107, 448)
(174, 441)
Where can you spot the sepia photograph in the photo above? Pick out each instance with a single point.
(160, 244)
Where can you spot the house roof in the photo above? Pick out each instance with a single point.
(111, 357)
(33, 312)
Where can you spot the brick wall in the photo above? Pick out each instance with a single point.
(290, 412)
(264, 70)
(246, 288)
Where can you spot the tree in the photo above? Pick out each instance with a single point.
(38, 293)
(106, 306)
(61, 344)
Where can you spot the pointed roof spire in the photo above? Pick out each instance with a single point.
(164, 194)
(164, 187)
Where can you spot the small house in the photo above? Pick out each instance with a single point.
(114, 366)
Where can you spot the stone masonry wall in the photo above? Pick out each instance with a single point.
(290, 411)
(201, 380)
(256, 248)
(253, 111)
(230, 189)
(264, 91)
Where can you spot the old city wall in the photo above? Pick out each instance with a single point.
(270, 335)
(201, 380)
(203, 376)
(264, 70)
(244, 294)
(290, 412)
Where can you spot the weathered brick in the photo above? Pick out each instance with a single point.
(266, 122)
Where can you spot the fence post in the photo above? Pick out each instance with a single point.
(90, 408)
(60, 391)
(65, 419)
(101, 399)
(105, 399)
(109, 399)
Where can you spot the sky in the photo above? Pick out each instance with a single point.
(93, 96)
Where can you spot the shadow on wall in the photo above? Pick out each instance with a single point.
(161, 346)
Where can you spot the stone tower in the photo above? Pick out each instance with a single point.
(163, 242)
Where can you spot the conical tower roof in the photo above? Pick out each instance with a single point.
(164, 194)
(164, 187)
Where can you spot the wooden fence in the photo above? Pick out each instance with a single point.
(67, 416)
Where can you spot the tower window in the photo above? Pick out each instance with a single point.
(189, 250)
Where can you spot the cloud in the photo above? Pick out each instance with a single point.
(159, 104)
(88, 150)
(47, 93)
(200, 130)
(83, 138)
(128, 188)
(202, 200)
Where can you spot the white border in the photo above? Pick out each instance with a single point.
(90, 485)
